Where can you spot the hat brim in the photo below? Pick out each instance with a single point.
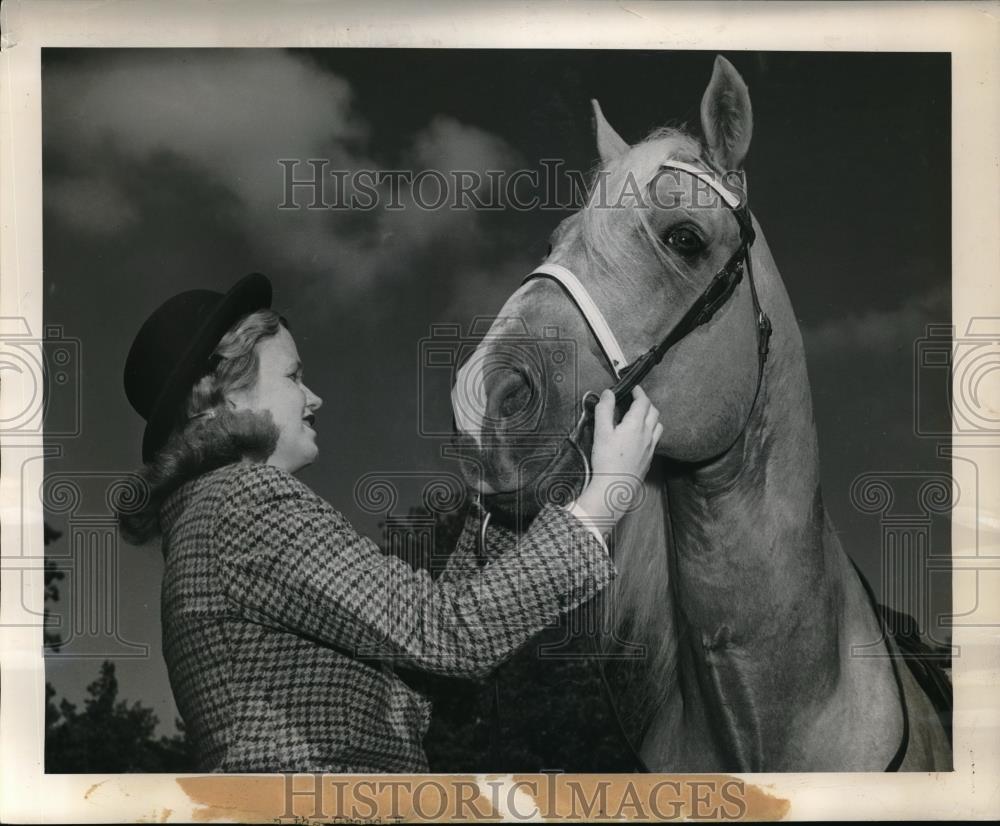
(248, 295)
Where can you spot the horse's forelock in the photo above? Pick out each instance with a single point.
(609, 233)
(643, 160)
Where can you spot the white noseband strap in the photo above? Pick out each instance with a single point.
(595, 318)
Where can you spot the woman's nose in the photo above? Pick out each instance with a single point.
(313, 402)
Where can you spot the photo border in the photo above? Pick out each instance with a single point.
(969, 31)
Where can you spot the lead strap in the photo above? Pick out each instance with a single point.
(481, 556)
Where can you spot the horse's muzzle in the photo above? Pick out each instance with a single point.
(555, 477)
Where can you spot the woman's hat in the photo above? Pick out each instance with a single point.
(172, 350)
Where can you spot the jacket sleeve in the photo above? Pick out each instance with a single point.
(464, 559)
(288, 559)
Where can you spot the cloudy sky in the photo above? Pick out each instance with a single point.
(161, 174)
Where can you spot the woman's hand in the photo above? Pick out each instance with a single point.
(620, 457)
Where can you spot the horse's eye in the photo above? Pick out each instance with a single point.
(685, 241)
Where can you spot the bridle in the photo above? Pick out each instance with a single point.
(576, 445)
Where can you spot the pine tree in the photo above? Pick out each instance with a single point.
(108, 735)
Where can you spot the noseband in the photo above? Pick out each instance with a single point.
(578, 442)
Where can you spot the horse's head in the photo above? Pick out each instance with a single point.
(645, 248)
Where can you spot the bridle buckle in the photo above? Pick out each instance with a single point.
(764, 330)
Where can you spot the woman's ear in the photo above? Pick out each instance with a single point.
(726, 117)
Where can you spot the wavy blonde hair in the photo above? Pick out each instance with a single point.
(207, 433)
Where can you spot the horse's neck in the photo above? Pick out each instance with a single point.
(750, 524)
(766, 610)
(719, 554)
(746, 602)
(757, 582)
(764, 603)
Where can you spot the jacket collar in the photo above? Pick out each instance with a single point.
(178, 501)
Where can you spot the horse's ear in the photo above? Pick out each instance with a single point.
(609, 143)
(726, 118)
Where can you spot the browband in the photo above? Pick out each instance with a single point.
(731, 198)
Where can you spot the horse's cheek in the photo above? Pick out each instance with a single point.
(700, 417)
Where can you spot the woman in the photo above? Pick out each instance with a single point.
(281, 625)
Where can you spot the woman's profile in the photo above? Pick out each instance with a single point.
(281, 624)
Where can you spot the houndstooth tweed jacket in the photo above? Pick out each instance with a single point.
(282, 626)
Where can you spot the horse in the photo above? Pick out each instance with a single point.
(732, 580)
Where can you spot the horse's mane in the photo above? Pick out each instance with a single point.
(639, 611)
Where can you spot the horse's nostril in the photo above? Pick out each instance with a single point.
(515, 401)
(511, 393)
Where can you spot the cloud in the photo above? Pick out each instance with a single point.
(94, 205)
(233, 112)
(877, 332)
(447, 144)
(227, 117)
(434, 207)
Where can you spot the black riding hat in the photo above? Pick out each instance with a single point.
(171, 350)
